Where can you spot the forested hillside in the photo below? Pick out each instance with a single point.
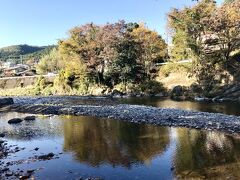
(27, 50)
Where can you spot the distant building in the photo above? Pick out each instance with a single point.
(8, 65)
(16, 70)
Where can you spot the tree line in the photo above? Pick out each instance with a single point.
(109, 55)
(210, 36)
(126, 53)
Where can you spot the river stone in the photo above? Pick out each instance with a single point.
(15, 121)
(177, 90)
(30, 118)
(6, 101)
(46, 156)
(116, 93)
(2, 135)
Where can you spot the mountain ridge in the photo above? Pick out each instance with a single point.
(24, 49)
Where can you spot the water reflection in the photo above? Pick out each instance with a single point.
(226, 107)
(202, 153)
(29, 130)
(195, 154)
(115, 149)
(107, 141)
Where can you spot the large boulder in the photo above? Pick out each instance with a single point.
(177, 91)
(30, 118)
(6, 101)
(15, 121)
(116, 93)
(180, 93)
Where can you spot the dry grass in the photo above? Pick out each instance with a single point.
(176, 78)
(18, 91)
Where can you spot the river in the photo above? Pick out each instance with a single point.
(230, 108)
(111, 149)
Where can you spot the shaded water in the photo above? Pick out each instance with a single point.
(111, 149)
(230, 108)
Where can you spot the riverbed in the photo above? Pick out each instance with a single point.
(66, 146)
(229, 108)
(86, 147)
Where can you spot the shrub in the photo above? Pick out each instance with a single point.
(152, 87)
(39, 86)
(174, 67)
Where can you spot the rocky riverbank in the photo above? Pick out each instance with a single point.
(228, 93)
(104, 107)
(6, 101)
(5, 171)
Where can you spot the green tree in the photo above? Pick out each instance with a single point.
(51, 62)
(123, 68)
(114, 53)
(179, 50)
(153, 47)
(194, 23)
(74, 75)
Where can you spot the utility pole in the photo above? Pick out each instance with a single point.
(21, 58)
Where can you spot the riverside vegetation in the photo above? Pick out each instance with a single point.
(122, 57)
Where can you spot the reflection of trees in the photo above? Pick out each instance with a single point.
(199, 150)
(97, 141)
(226, 108)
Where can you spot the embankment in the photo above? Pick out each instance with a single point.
(22, 81)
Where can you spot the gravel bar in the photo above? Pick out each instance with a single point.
(133, 113)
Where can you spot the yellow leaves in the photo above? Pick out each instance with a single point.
(232, 11)
(51, 62)
(153, 45)
(74, 65)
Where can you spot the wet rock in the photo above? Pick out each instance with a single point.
(202, 99)
(46, 156)
(30, 171)
(5, 169)
(36, 149)
(15, 121)
(8, 174)
(159, 95)
(2, 135)
(27, 176)
(115, 93)
(94, 178)
(30, 118)
(6, 101)
(177, 91)
(66, 111)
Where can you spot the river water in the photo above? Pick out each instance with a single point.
(111, 149)
(230, 108)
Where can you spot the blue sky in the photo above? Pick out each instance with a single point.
(43, 22)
